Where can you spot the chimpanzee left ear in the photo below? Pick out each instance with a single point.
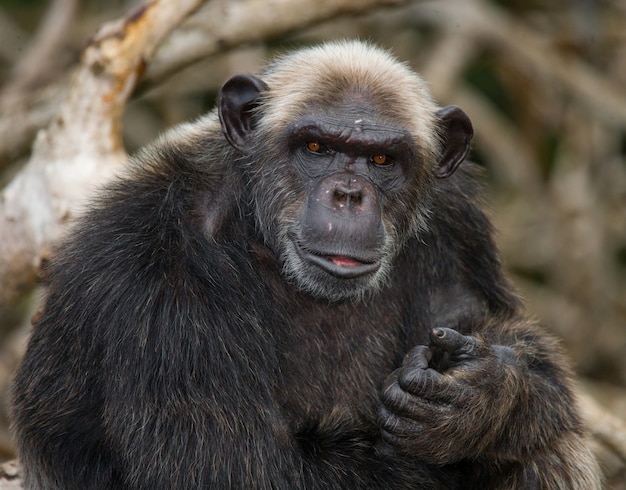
(456, 134)
(236, 101)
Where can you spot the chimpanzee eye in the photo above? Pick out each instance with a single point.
(313, 146)
(381, 159)
(319, 148)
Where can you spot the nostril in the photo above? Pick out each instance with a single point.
(340, 197)
(348, 195)
(351, 197)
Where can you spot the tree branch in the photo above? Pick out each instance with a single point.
(222, 25)
(531, 51)
(33, 68)
(82, 146)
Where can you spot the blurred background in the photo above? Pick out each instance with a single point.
(544, 83)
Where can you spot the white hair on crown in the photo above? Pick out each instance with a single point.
(317, 73)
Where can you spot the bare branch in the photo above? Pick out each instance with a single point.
(609, 439)
(25, 100)
(34, 66)
(512, 160)
(495, 135)
(82, 146)
(224, 24)
(11, 38)
(10, 476)
(530, 50)
(22, 116)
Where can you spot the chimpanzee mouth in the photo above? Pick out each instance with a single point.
(342, 266)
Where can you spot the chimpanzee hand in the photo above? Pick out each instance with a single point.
(446, 415)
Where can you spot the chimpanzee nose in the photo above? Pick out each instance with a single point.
(344, 211)
(348, 192)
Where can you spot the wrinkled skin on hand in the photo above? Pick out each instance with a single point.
(456, 389)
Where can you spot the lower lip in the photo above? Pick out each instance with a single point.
(340, 266)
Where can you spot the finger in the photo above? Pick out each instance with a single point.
(404, 390)
(392, 395)
(420, 382)
(415, 376)
(398, 426)
(417, 358)
(452, 341)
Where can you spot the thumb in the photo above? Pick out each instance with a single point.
(449, 340)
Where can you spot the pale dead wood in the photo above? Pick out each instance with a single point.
(10, 476)
(226, 24)
(82, 146)
(21, 117)
(609, 440)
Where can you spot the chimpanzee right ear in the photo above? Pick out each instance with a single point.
(456, 136)
(236, 101)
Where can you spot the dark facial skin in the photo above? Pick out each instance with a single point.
(350, 163)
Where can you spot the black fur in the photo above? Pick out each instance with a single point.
(173, 353)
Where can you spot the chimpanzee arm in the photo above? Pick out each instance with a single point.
(501, 403)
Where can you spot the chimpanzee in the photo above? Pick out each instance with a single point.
(299, 290)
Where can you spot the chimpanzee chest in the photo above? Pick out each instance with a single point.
(337, 357)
